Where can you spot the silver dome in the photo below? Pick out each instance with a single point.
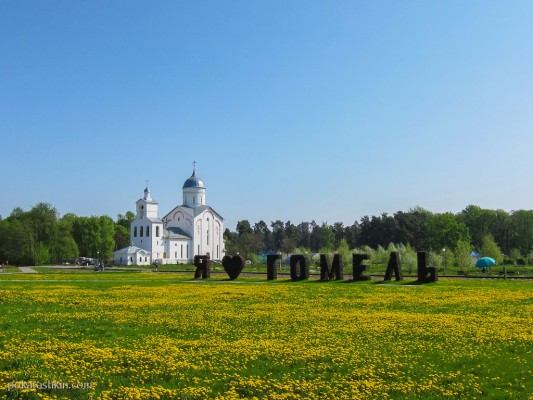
(193, 182)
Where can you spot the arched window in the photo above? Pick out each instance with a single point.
(147, 231)
(141, 233)
(134, 231)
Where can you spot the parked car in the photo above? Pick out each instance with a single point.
(85, 261)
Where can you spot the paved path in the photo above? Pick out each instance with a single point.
(27, 270)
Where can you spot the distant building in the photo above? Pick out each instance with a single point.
(474, 256)
(190, 229)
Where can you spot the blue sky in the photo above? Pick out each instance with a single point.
(294, 110)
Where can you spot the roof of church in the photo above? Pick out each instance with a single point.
(193, 211)
(193, 182)
(176, 233)
(200, 209)
(130, 250)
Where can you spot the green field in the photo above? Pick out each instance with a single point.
(164, 336)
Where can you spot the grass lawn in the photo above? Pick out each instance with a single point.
(164, 336)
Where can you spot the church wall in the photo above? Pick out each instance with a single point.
(157, 246)
(208, 235)
(143, 234)
(180, 219)
(218, 241)
(177, 251)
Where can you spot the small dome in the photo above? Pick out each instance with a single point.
(193, 182)
(147, 195)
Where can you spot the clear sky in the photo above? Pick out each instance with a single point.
(294, 110)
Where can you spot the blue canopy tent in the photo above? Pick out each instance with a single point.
(485, 262)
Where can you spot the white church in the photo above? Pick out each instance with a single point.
(188, 230)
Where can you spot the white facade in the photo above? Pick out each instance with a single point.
(146, 230)
(188, 230)
(203, 226)
(132, 256)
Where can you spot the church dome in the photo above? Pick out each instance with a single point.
(193, 182)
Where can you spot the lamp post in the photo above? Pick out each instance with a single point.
(444, 257)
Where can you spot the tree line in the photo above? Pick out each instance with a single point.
(39, 236)
(497, 233)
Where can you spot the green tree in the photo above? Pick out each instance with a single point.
(314, 236)
(261, 229)
(351, 233)
(42, 254)
(278, 233)
(122, 237)
(105, 244)
(411, 227)
(43, 218)
(435, 259)
(125, 220)
(287, 245)
(381, 255)
(291, 232)
(231, 241)
(515, 255)
(489, 248)
(480, 222)
(408, 257)
(463, 259)
(65, 246)
(18, 242)
(500, 230)
(4, 237)
(338, 231)
(344, 250)
(444, 231)
(94, 236)
(304, 235)
(521, 231)
(244, 227)
(249, 244)
(327, 238)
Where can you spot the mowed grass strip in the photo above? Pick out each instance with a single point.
(149, 336)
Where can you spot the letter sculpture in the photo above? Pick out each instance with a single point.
(331, 267)
(272, 272)
(233, 266)
(426, 274)
(299, 267)
(359, 268)
(394, 265)
(203, 267)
